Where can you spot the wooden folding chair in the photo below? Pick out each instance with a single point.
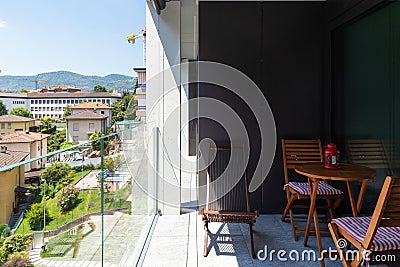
(374, 236)
(367, 152)
(297, 152)
(227, 192)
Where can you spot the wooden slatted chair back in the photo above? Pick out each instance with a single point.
(297, 152)
(387, 210)
(367, 152)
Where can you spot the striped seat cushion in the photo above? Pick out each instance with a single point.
(386, 238)
(323, 188)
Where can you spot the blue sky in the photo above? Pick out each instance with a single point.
(83, 36)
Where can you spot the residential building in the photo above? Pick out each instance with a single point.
(15, 100)
(141, 93)
(81, 125)
(58, 89)
(52, 103)
(9, 181)
(12, 123)
(98, 107)
(33, 143)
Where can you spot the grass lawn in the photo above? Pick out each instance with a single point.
(60, 245)
(90, 201)
(78, 176)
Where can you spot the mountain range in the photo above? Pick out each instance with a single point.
(86, 83)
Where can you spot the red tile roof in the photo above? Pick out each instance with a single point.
(22, 137)
(73, 95)
(14, 118)
(91, 105)
(11, 157)
(86, 115)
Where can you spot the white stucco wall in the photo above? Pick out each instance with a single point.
(163, 98)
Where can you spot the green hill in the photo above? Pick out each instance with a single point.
(86, 83)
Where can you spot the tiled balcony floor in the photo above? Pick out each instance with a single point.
(178, 241)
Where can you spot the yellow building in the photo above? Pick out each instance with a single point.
(33, 143)
(12, 123)
(10, 181)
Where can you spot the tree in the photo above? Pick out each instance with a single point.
(99, 88)
(3, 109)
(47, 122)
(96, 145)
(67, 111)
(35, 216)
(55, 173)
(123, 109)
(23, 91)
(111, 90)
(21, 112)
(109, 165)
(66, 145)
(67, 199)
(56, 140)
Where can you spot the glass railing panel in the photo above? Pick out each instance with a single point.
(95, 196)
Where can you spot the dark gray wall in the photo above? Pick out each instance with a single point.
(279, 46)
(285, 47)
(338, 14)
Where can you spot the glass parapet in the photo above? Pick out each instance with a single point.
(90, 202)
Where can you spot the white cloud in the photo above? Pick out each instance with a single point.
(2, 24)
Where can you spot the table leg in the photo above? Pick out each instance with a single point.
(312, 208)
(351, 198)
(318, 235)
(361, 195)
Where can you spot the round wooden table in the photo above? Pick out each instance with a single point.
(315, 172)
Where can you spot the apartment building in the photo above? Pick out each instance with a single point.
(33, 143)
(141, 93)
(52, 103)
(9, 181)
(97, 107)
(12, 123)
(81, 125)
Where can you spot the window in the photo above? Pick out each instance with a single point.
(36, 101)
(75, 139)
(91, 126)
(108, 101)
(3, 126)
(67, 101)
(64, 101)
(40, 101)
(76, 126)
(31, 101)
(48, 101)
(9, 125)
(102, 112)
(51, 101)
